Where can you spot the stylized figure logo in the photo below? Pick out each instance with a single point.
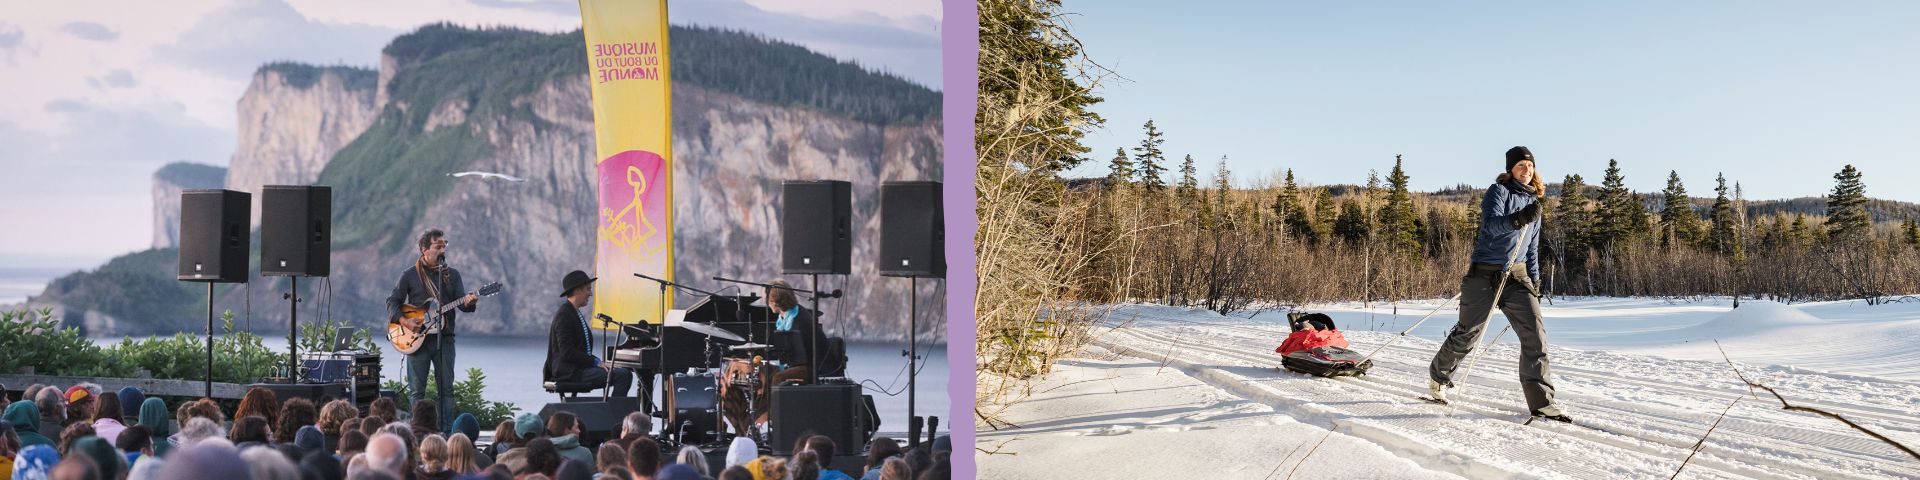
(630, 229)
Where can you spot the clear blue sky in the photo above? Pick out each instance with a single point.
(1778, 95)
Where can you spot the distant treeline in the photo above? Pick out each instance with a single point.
(1223, 242)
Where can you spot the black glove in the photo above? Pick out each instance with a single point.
(1526, 215)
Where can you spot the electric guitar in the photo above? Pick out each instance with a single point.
(431, 313)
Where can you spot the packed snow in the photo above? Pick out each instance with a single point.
(1190, 392)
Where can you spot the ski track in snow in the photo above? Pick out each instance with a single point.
(1653, 409)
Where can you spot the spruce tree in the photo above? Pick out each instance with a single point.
(1575, 219)
(1287, 208)
(1399, 223)
(1847, 206)
(1725, 237)
(1323, 215)
(1223, 184)
(1910, 232)
(1120, 170)
(1352, 225)
(1800, 234)
(1620, 214)
(1189, 190)
(1149, 158)
(1677, 219)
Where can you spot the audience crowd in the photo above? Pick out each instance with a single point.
(84, 433)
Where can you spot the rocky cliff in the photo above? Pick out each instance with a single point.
(732, 148)
(292, 119)
(168, 182)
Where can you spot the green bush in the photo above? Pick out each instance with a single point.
(31, 339)
(466, 398)
(35, 339)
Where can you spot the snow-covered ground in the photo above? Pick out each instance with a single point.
(1191, 393)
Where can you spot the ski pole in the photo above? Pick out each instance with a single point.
(1403, 333)
(1467, 374)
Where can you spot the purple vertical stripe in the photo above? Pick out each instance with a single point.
(960, 52)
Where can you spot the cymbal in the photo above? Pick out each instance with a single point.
(749, 346)
(706, 329)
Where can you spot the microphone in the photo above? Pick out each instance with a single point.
(604, 317)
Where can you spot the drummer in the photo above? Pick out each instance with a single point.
(792, 318)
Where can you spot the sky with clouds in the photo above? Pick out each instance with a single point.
(1778, 95)
(102, 93)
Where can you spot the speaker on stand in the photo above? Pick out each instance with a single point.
(816, 237)
(296, 240)
(213, 246)
(913, 245)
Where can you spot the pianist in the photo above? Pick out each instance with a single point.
(570, 347)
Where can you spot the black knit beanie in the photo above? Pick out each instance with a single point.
(1516, 154)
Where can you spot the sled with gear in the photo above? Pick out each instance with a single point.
(1317, 348)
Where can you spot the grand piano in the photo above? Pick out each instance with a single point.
(682, 347)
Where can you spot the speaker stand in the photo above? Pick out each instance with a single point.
(913, 352)
(209, 339)
(293, 329)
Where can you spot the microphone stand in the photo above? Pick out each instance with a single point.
(813, 349)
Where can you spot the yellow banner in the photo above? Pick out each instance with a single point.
(633, 131)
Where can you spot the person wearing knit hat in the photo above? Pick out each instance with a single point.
(1505, 267)
(33, 462)
(130, 400)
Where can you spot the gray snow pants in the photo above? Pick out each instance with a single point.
(1522, 311)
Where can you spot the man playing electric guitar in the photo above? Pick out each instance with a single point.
(431, 279)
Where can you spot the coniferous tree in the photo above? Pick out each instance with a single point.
(1120, 170)
(1223, 183)
(1189, 190)
(1726, 234)
(1352, 225)
(1323, 216)
(1620, 214)
(1398, 222)
(1910, 232)
(1575, 218)
(1149, 158)
(1847, 206)
(1287, 208)
(1678, 222)
(1800, 234)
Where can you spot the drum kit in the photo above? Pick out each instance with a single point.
(698, 399)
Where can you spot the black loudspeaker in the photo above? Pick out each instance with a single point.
(313, 392)
(296, 230)
(214, 233)
(602, 418)
(834, 410)
(913, 232)
(816, 228)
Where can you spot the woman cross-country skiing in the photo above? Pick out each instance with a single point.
(1509, 207)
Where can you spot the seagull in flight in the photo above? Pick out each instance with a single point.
(488, 176)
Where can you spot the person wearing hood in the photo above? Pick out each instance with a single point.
(153, 415)
(34, 461)
(130, 400)
(26, 423)
(564, 427)
(112, 464)
(1509, 220)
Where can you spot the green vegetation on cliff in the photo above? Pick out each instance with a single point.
(301, 75)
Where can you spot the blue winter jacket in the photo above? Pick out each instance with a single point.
(1497, 235)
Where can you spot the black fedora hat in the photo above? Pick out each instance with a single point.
(574, 280)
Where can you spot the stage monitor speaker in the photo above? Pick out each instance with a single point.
(913, 232)
(833, 410)
(296, 230)
(214, 235)
(601, 418)
(816, 227)
(313, 392)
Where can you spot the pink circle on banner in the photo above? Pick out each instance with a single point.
(633, 203)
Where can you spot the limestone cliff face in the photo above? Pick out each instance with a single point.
(168, 182)
(730, 156)
(292, 120)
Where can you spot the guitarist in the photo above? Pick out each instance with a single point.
(431, 278)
